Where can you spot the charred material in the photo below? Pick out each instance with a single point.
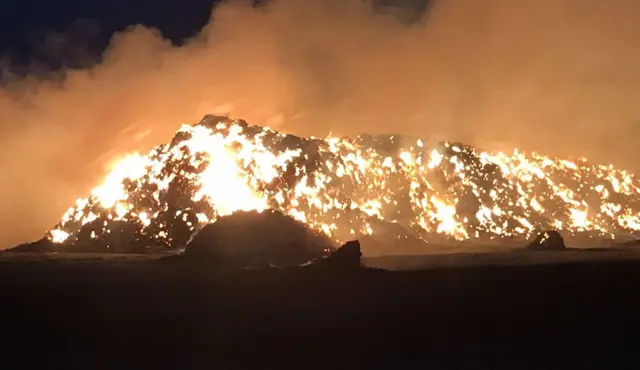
(549, 240)
(257, 239)
(345, 258)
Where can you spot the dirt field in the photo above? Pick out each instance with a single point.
(509, 310)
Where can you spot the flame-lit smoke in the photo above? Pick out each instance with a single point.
(556, 76)
(344, 187)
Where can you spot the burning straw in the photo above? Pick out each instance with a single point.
(347, 188)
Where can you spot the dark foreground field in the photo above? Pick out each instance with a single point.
(158, 315)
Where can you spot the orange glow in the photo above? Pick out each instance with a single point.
(241, 167)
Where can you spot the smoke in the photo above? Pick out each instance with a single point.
(556, 76)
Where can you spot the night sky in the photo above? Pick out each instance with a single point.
(74, 32)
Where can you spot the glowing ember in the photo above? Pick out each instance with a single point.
(344, 187)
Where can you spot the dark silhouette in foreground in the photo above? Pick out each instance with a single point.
(257, 239)
(157, 316)
(329, 313)
(549, 240)
(43, 245)
(346, 258)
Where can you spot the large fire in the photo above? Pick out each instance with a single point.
(348, 187)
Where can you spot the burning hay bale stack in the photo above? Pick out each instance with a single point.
(347, 188)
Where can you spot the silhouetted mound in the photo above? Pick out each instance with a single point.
(346, 257)
(43, 245)
(631, 243)
(549, 240)
(254, 239)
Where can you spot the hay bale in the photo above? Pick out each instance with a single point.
(346, 257)
(253, 239)
(549, 240)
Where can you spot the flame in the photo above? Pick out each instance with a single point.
(343, 186)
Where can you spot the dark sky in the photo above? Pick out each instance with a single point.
(559, 77)
(177, 19)
(74, 31)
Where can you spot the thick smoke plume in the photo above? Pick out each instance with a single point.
(559, 77)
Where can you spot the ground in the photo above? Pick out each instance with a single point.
(498, 310)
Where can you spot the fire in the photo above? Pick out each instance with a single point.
(347, 187)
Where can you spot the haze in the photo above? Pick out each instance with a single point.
(557, 76)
